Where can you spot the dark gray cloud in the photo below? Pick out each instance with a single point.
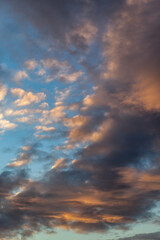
(148, 236)
(56, 19)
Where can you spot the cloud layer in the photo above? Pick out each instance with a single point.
(94, 105)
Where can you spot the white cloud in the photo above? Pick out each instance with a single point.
(44, 129)
(6, 125)
(17, 92)
(19, 75)
(3, 92)
(27, 98)
(70, 77)
(53, 63)
(30, 64)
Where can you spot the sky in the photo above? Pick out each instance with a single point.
(79, 119)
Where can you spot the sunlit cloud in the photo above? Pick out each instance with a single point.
(80, 119)
(27, 98)
(20, 75)
(30, 64)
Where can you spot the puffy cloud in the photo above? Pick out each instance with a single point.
(44, 105)
(82, 35)
(29, 119)
(18, 92)
(71, 77)
(6, 125)
(61, 70)
(20, 75)
(79, 128)
(41, 72)
(30, 98)
(76, 121)
(21, 112)
(27, 98)
(53, 115)
(54, 63)
(61, 95)
(3, 92)
(44, 129)
(30, 64)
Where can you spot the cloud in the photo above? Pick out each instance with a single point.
(27, 98)
(64, 22)
(55, 114)
(18, 92)
(82, 35)
(54, 63)
(6, 125)
(44, 129)
(79, 128)
(77, 204)
(3, 92)
(21, 112)
(20, 75)
(60, 70)
(44, 105)
(29, 119)
(61, 96)
(131, 45)
(30, 64)
(24, 158)
(28, 153)
(107, 174)
(149, 236)
(71, 77)
(60, 163)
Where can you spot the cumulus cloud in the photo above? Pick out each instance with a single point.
(21, 112)
(3, 92)
(6, 124)
(30, 64)
(55, 114)
(60, 70)
(27, 98)
(29, 119)
(20, 75)
(44, 129)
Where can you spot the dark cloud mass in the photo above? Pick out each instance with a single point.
(61, 21)
(114, 180)
(150, 236)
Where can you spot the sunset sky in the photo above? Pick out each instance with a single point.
(79, 119)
